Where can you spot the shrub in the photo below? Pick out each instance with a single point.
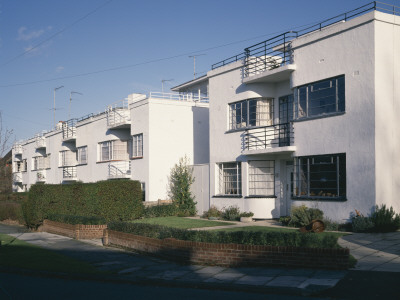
(12, 211)
(285, 220)
(68, 219)
(167, 210)
(362, 224)
(112, 200)
(247, 214)
(334, 226)
(232, 213)
(302, 215)
(294, 239)
(212, 212)
(385, 219)
(180, 180)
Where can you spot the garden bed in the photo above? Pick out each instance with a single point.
(76, 231)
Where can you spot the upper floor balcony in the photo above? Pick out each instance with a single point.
(119, 169)
(188, 97)
(69, 130)
(269, 139)
(40, 141)
(69, 174)
(118, 115)
(17, 149)
(41, 176)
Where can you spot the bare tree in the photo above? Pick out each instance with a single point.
(5, 137)
(5, 168)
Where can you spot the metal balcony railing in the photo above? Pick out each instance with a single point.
(280, 135)
(191, 97)
(41, 176)
(69, 130)
(17, 177)
(276, 52)
(118, 114)
(119, 169)
(69, 173)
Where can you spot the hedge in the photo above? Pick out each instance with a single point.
(295, 239)
(116, 200)
(166, 210)
(68, 219)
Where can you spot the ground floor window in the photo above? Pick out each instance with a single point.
(320, 176)
(261, 178)
(230, 178)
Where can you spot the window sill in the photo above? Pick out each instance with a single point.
(82, 164)
(246, 128)
(136, 157)
(327, 199)
(108, 161)
(319, 117)
(260, 196)
(227, 196)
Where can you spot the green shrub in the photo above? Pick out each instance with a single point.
(12, 211)
(232, 213)
(212, 212)
(246, 214)
(334, 226)
(112, 200)
(301, 215)
(68, 219)
(295, 239)
(362, 224)
(180, 180)
(285, 220)
(167, 210)
(385, 219)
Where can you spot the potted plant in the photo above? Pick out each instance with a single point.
(246, 217)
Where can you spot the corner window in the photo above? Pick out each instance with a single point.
(250, 113)
(230, 178)
(320, 98)
(321, 176)
(137, 145)
(261, 178)
(82, 155)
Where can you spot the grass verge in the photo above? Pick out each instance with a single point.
(182, 223)
(19, 254)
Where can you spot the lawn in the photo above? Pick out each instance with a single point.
(19, 254)
(183, 223)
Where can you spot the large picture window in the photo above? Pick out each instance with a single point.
(113, 150)
(230, 178)
(67, 158)
(320, 98)
(251, 112)
(137, 145)
(41, 162)
(321, 176)
(261, 178)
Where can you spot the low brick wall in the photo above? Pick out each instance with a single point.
(77, 231)
(230, 255)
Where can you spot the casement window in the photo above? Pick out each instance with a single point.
(137, 145)
(320, 98)
(40, 162)
(250, 113)
(230, 178)
(261, 178)
(113, 150)
(82, 155)
(18, 166)
(67, 158)
(320, 176)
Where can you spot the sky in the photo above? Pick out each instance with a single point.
(108, 49)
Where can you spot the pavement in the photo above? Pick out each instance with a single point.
(378, 252)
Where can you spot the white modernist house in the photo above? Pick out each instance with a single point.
(310, 118)
(139, 138)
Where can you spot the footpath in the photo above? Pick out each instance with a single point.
(378, 252)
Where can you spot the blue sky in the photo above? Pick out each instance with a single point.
(76, 37)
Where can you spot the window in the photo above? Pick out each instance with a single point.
(113, 150)
(82, 155)
(67, 158)
(249, 113)
(24, 165)
(41, 162)
(320, 98)
(230, 178)
(321, 176)
(18, 166)
(137, 145)
(262, 178)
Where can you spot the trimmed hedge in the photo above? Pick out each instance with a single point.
(11, 211)
(117, 200)
(295, 239)
(73, 220)
(168, 210)
(14, 197)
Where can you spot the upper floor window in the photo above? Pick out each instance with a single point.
(320, 98)
(113, 150)
(41, 162)
(251, 112)
(137, 145)
(230, 178)
(82, 155)
(67, 158)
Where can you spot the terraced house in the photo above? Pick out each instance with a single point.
(307, 117)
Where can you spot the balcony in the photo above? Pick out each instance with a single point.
(41, 176)
(188, 97)
(270, 139)
(69, 130)
(17, 177)
(119, 169)
(17, 149)
(40, 141)
(69, 174)
(118, 115)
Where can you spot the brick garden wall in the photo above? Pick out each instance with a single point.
(78, 231)
(231, 255)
